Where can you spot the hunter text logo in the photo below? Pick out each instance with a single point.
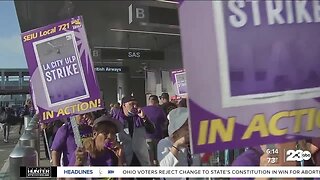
(38, 172)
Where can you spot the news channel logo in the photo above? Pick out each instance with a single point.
(38, 172)
(298, 155)
(108, 171)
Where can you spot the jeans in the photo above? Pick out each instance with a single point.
(6, 130)
(21, 124)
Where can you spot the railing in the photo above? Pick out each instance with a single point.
(14, 83)
(223, 158)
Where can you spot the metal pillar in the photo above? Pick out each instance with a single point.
(27, 120)
(34, 132)
(20, 80)
(2, 79)
(29, 139)
(123, 85)
(21, 156)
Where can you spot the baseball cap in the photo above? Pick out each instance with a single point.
(177, 117)
(127, 99)
(106, 118)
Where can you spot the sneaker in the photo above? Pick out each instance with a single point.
(6, 141)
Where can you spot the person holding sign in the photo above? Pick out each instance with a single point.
(133, 136)
(64, 141)
(63, 144)
(102, 149)
(174, 150)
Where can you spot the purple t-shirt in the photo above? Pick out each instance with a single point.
(119, 115)
(158, 117)
(250, 157)
(114, 112)
(64, 143)
(108, 158)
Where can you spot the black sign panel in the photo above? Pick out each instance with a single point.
(131, 54)
(167, 16)
(111, 69)
(155, 15)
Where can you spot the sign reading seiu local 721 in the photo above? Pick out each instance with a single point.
(61, 70)
(253, 71)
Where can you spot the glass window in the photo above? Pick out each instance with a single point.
(26, 78)
(13, 78)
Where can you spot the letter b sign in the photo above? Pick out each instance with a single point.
(140, 13)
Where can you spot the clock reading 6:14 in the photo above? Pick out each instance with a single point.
(272, 151)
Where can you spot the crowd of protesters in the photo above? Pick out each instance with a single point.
(126, 134)
(130, 135)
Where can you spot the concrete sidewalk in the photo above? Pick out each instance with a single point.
(6, 149)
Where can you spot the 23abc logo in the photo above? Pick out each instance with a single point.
(298, 155)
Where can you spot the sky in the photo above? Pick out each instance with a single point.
(11, 51)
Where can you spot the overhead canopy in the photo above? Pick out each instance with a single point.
(114, 24)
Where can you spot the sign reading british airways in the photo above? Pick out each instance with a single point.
(111, 69)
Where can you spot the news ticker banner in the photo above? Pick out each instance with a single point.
(256, 64)
(172, 172)
(61, 70)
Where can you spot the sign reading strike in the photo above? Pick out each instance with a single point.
(61, 70)
(253, 71)
(179, 82)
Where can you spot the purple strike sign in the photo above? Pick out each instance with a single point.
(259, 63)
(179, 81)
(61, 70)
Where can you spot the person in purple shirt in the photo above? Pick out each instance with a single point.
(64, 142)
(155, 114)
(251, 157)
(102, 148)
(49, 130)
(115, 109)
